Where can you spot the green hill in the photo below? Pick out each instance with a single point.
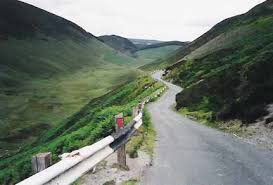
(119, 43)
(49, 68)
(36, 43)
(227, 72)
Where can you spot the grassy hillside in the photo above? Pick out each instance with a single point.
(152, 53)
(94, 121)
(149, 55)
(119, 43)
(49, 68)
(227, 72)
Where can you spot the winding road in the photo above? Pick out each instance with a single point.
(188, 153)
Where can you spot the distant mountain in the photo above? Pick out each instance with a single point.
(227, 72)
(145, 51)
(119, 43)
(143, 42)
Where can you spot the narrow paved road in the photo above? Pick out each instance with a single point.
(188, 153)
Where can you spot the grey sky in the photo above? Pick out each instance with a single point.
(182, 20)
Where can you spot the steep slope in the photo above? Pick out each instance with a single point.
(49, 68)
(119, 43)
(30, 34)
(227, 72)
(93, 122)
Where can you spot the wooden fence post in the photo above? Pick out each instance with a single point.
(121, 152)
(41, 161)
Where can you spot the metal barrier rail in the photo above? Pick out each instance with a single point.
(70, 168)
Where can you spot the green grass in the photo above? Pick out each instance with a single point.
(232, 126)
(92, 122)
(144, 139)
(130, 182)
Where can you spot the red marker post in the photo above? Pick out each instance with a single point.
(121, 152)
(119, 121)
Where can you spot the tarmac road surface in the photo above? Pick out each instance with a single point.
(188, 153)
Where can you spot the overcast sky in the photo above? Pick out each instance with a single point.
(182, 20)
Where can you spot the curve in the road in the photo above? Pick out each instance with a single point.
(188, 153)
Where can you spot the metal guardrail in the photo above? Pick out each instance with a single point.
(70, 168)
(77, 163)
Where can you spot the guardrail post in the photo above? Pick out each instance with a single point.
(121, 152)
(41, 161)
(140, 107)
(135, 111)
